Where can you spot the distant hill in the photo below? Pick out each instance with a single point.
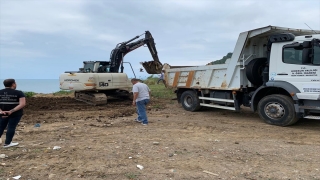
(221, 61)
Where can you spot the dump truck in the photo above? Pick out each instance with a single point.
(274, 71)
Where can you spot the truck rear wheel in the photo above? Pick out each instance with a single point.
(277, 110)
(190, 101)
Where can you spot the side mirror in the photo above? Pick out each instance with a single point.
(306, 44)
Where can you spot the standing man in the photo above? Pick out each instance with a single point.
(161, 77)
(141, 97)
(11, 103)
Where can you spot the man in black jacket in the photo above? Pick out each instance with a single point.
(11, 103)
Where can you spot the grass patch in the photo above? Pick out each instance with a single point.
(132, 175)
(29, 94)
(11, 149)
(62, 92)
(158, 106)
(159, 90)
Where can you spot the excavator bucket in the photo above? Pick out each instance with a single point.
(152, 67)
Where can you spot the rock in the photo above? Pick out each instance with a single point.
(2, 156)
(167, 116)
(3, 164)
(170, 155)
(17, 177)
(51, 176)
(156, 143)
(61, 116)
(56, 148)
(140, 167)
(236, 142)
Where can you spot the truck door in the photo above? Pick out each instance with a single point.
(297, 64)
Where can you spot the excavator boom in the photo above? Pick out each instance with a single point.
(117, 54)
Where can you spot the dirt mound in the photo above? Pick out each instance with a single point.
(176, 144)
(57, 109)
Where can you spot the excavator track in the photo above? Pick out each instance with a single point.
(91, 98)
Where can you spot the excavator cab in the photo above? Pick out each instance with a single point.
(95, 67)
(104, 67)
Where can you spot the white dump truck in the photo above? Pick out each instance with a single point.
(273, 70)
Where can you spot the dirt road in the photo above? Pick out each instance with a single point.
(104, 142)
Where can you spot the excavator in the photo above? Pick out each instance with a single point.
(97, 80)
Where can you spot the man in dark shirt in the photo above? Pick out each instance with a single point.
(11, 103)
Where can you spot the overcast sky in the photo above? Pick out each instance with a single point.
(42, 39)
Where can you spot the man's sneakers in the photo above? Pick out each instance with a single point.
(10, 145)
(136, 120)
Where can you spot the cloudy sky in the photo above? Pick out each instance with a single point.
(41, 39)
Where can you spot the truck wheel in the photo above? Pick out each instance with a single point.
(277, 110)
(254, 70)
(190, 101)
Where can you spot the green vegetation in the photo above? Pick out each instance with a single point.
(150, 80)
(158, 90)
(62, 92)
(132, 175)
(221, 61)
(29, 93)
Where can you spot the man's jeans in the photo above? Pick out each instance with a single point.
(141, 110)
(160, 80)
(12, 123)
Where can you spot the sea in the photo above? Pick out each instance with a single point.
(45, 86)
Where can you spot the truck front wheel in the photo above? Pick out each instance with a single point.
(277, 110)
(190, 101)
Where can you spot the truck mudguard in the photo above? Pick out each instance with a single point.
(280, 84)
